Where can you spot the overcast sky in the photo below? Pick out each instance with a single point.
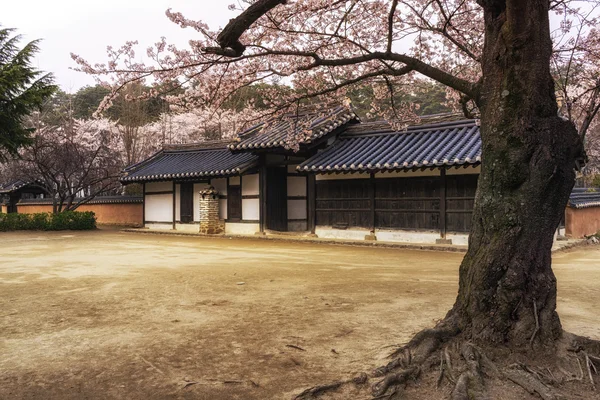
(86, 27)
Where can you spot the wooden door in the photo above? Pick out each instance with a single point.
(186, 193)
(276, 218)
(234, 203)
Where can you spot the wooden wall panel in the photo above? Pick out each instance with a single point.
(407, 203)
(460, 201)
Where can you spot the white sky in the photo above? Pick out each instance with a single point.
(86, 27)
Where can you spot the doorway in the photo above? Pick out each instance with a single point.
(276, 198)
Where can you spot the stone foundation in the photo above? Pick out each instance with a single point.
(210, 223)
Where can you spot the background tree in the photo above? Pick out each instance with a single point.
(73, 162)
(495, 57)
(23, 89)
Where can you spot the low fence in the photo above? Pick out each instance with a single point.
(113, 210)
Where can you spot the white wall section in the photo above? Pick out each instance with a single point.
(159, 207)
(177, 202)
(296, 186)
(250, 185)
(235, 228)
(223, 208)
(220, 185)
(332, 177)
(250, 209)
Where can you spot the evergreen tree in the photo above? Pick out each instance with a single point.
(23, 89)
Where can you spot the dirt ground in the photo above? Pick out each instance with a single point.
(113, 315)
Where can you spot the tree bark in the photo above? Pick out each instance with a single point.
(529, 156)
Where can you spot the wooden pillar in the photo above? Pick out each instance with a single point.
(174, 205)
(443, 203)
(143, 204)
(262, 194)
(372, 201)
(311, 199)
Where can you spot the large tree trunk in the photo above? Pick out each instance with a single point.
(529, 153)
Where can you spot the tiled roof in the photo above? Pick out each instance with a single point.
(96, 200)
(12, 186)
(200, 160)
(584, 197)
(375, 146)
(277, 133)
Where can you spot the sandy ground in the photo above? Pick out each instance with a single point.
(112, 315)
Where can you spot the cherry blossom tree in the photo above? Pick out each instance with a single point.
(73, 162)
(504, 62)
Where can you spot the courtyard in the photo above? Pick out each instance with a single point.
(115, 315)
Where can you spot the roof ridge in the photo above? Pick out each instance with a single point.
(362, 128)
(204, 145)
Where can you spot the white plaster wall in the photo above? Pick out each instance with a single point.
(395, 236)
(177, 202)
(159, 186)
(461, 239)
(330, 233)
(223, 208)
(464, 171)
(234, 180)
(332, 177)
(159, 226)
(159, 207)
(250, 185)
(220, 185)
(401, 174)
(192, 228)
(197, 188)
(407, 174)
(234, 228)
(296, 186)
(296, 209)
(292, 168)
(250, 209)
(407, 236)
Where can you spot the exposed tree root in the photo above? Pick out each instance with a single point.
(464, 370)
(395, 379)
(531, 383)
(316, 391)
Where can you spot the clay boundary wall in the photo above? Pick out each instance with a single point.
(580, 222)
(125, 214)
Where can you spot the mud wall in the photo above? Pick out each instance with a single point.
(127, 214)
(580, 222)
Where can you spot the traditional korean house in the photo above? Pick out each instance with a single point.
(415, 185)
(344, 179)
(12, 192)
(254, 181)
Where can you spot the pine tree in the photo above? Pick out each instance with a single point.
(23, 89)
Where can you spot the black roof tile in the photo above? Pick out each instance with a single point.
(584, 197)
(12, 186)
(375, 146)
(211, 159)
(277, 134)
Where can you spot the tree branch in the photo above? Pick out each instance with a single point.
(229, 38)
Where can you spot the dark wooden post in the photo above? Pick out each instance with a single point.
(443, 203)
(174, 205)
(144, 205)
(262, 194)
(311, 198)
(372, 201)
